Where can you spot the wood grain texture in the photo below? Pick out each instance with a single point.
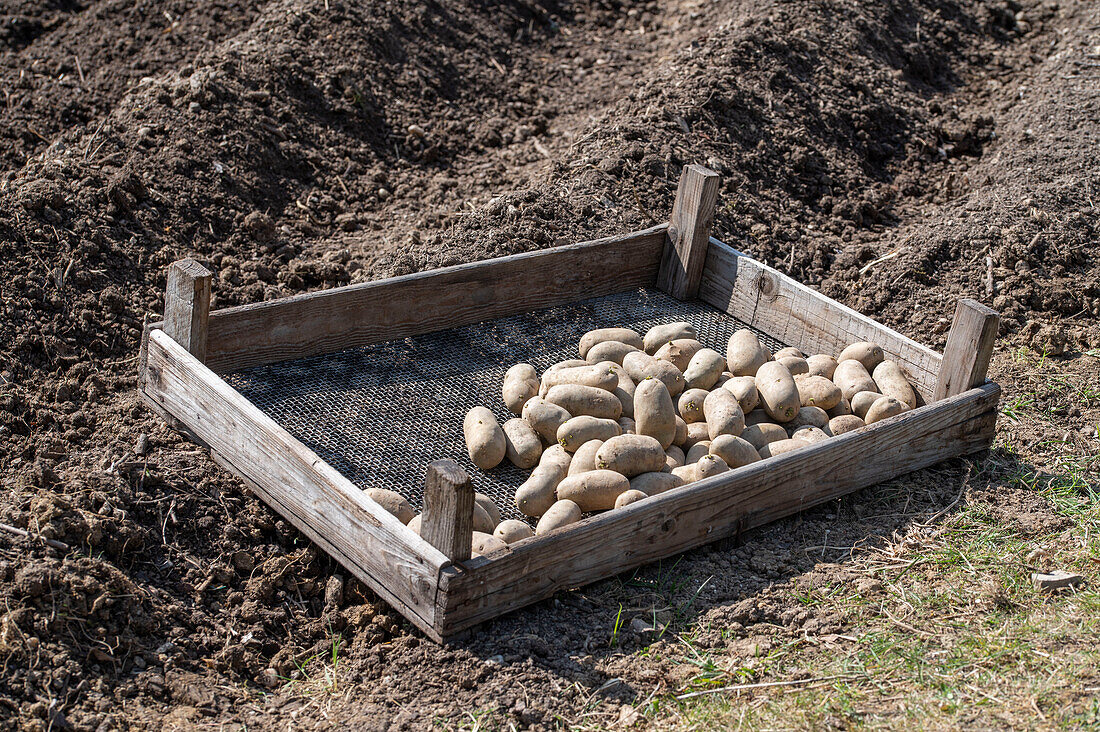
(969, 347)
(685, 250)
(797, 315)
(187, 306)
(703, 512)
(332, 320)
(448, 522)
(323, 504)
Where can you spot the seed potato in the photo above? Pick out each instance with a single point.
(845, 423)
(584, 459)
(484, 543)
(482, 520)
(392, 502)
(489, 505)
(585, 401)
(621, 335)
(852, 377)
(485, 441)
(537, 493)
(795, 364)
(640, 366)
(696, 432)
(595, 490)
(609, 351)
(758, 416)
(631, 455)
(709, 465)
(817, 391)
(674, 457)
(891, 381)
(653, 484)
(628, 497)
(686, 473)
(778, 393)
(512, 530)
(744, 388)
(759, 435)
(624, 389)
(595, 375)
(842, 408)
(690, 405)
(579, 430)
(810, 434)
(681, 432)
(654, 412)
(780, 447)
(809, 416)
(521, 382)
(522, 445)
(821, 364)
(883, 408)
(562, 513)
(734, 451)
(745, 354)
(788, 351)
(697, 451)
(545, 418)
(679, 352)
(659, 335)
(867, 353)
(723, 414)
(862, 401)
(704, 369)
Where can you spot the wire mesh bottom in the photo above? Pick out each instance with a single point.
(379, 414)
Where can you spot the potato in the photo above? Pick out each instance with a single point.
(679, 352)
(758, 416)
(681, 432)
(809, 433)
(659, 335)
(640, 366)
(567, 364)
(891, 382)
(788, 351)
(414, 524)
(884, 407)
(621, 335)
(842, 408)
(697, 451)
(867, 353)
(545, 417)
(628, 497)
(522, 445)
(485, 441)
(696, 432)
(489, 505)
(562, 513)
(734, 451)
(624, 390)
(674, 457)
(521, 382)
(595, 375)
(709, 465)
(759, 435)
(809, 416)
(584, 459)
(852, 378)
(511, 531)
(536, 494)
(654, 413)
(723, 414)
(631, 455)
(722, 379)
(484, 543)
(862, 401)
(585, 401)
(745, 354)
(595, 490)
(781, 446)
(393, 502)
(817, 391)
(778, 392)
(704, 368)
(744, 388)
(795, 364)
(690, 405)
(821, 365)
(579, 430)
(609, 351)
(654, 483)
(482, 520)
(845, 423)
(686, 473)
(628, 425)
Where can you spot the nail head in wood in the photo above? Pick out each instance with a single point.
(969, 348)
(448, 522)
(187, 305)
(689, 233)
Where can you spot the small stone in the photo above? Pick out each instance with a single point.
(417, 131)
(384, 194)
(1054, 581)
(194, 107)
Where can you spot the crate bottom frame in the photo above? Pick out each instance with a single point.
(435, 588)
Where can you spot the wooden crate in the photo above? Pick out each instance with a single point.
(431, 580)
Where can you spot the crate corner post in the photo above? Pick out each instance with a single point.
(968, 350)
(187, 305)
(448, 522)
(688, 235)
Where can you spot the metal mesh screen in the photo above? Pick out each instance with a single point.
(379, 414)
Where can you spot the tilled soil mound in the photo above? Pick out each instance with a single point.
(894, 154)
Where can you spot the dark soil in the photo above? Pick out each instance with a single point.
(295, 145)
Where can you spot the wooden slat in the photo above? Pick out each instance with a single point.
(448, 520)
(187, 306)
(688, 233)
(324, 505)
(703, 512)
(969, 347)
(331, 320)
(799, 316)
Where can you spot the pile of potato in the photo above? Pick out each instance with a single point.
(636, 416)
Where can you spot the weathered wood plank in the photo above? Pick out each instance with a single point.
(969, 347)
(323, 504)
(448, 519)
(688, 233)
(799, 316)
(187, 306)
(702, 512)
(332, 320)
